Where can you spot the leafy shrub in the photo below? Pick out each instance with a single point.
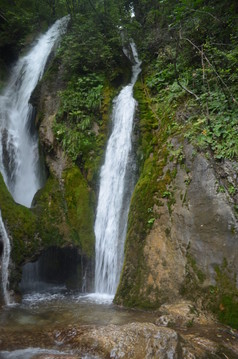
(79, 110)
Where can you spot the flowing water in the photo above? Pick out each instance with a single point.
(110, 229)
(5, 261)
(34, 326)
(19, 156)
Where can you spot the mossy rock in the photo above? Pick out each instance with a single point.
(94, 160)
(63, 215)
(79, 201)
(49, 208)
(152, 183)
(224, 296)
(21, 225)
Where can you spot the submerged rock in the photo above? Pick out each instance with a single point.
(146, 340)
(134, 341)
(57, 356)
(192, 334)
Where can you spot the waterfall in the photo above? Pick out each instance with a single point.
(112, 210)
(19, 156)
(5, 261)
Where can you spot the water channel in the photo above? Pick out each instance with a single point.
(34, 326)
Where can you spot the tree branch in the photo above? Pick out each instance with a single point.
(3, 17)
(177, 75)
(208, 13)
(210, 64)
(203, 80)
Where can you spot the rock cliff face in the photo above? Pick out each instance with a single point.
(203, 221)
(186, 243)
(46, 99)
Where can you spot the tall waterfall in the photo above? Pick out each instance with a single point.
(19, 157)
(5, 260)
(112, 210)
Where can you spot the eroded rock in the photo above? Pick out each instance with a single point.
(193, 242)
(183, 313)
(134, 341)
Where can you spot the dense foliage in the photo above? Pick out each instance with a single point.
(22, 18)
(80, 105)
(190, 50)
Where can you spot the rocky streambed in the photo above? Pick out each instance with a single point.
(176, 331)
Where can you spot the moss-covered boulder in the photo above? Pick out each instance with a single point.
(63, 215)
(79, 201)
(21, 224)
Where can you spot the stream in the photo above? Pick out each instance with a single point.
(33, 326)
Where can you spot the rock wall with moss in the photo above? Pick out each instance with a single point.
(61, 217)
(183, 226)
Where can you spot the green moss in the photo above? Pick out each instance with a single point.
(153, 183)
(228, 310)
(167, 232)
(80, 215)
(192, 286)
(50, 212)
(65, 212)
(21, 224)
(225, 304)
(198, 273)
(221, 299)
(94, 160)
(62, 215)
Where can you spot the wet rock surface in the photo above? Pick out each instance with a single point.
(134, 340)
(204, 222)
(194, 237)
(57, 356)
(179, 331)
(183, 313)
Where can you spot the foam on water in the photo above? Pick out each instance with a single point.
(5, 262)
(97, 298)
(41, 297)
(29, 353)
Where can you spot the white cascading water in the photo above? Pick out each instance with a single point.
(5, 261)
(19, 156)
(109, 230)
